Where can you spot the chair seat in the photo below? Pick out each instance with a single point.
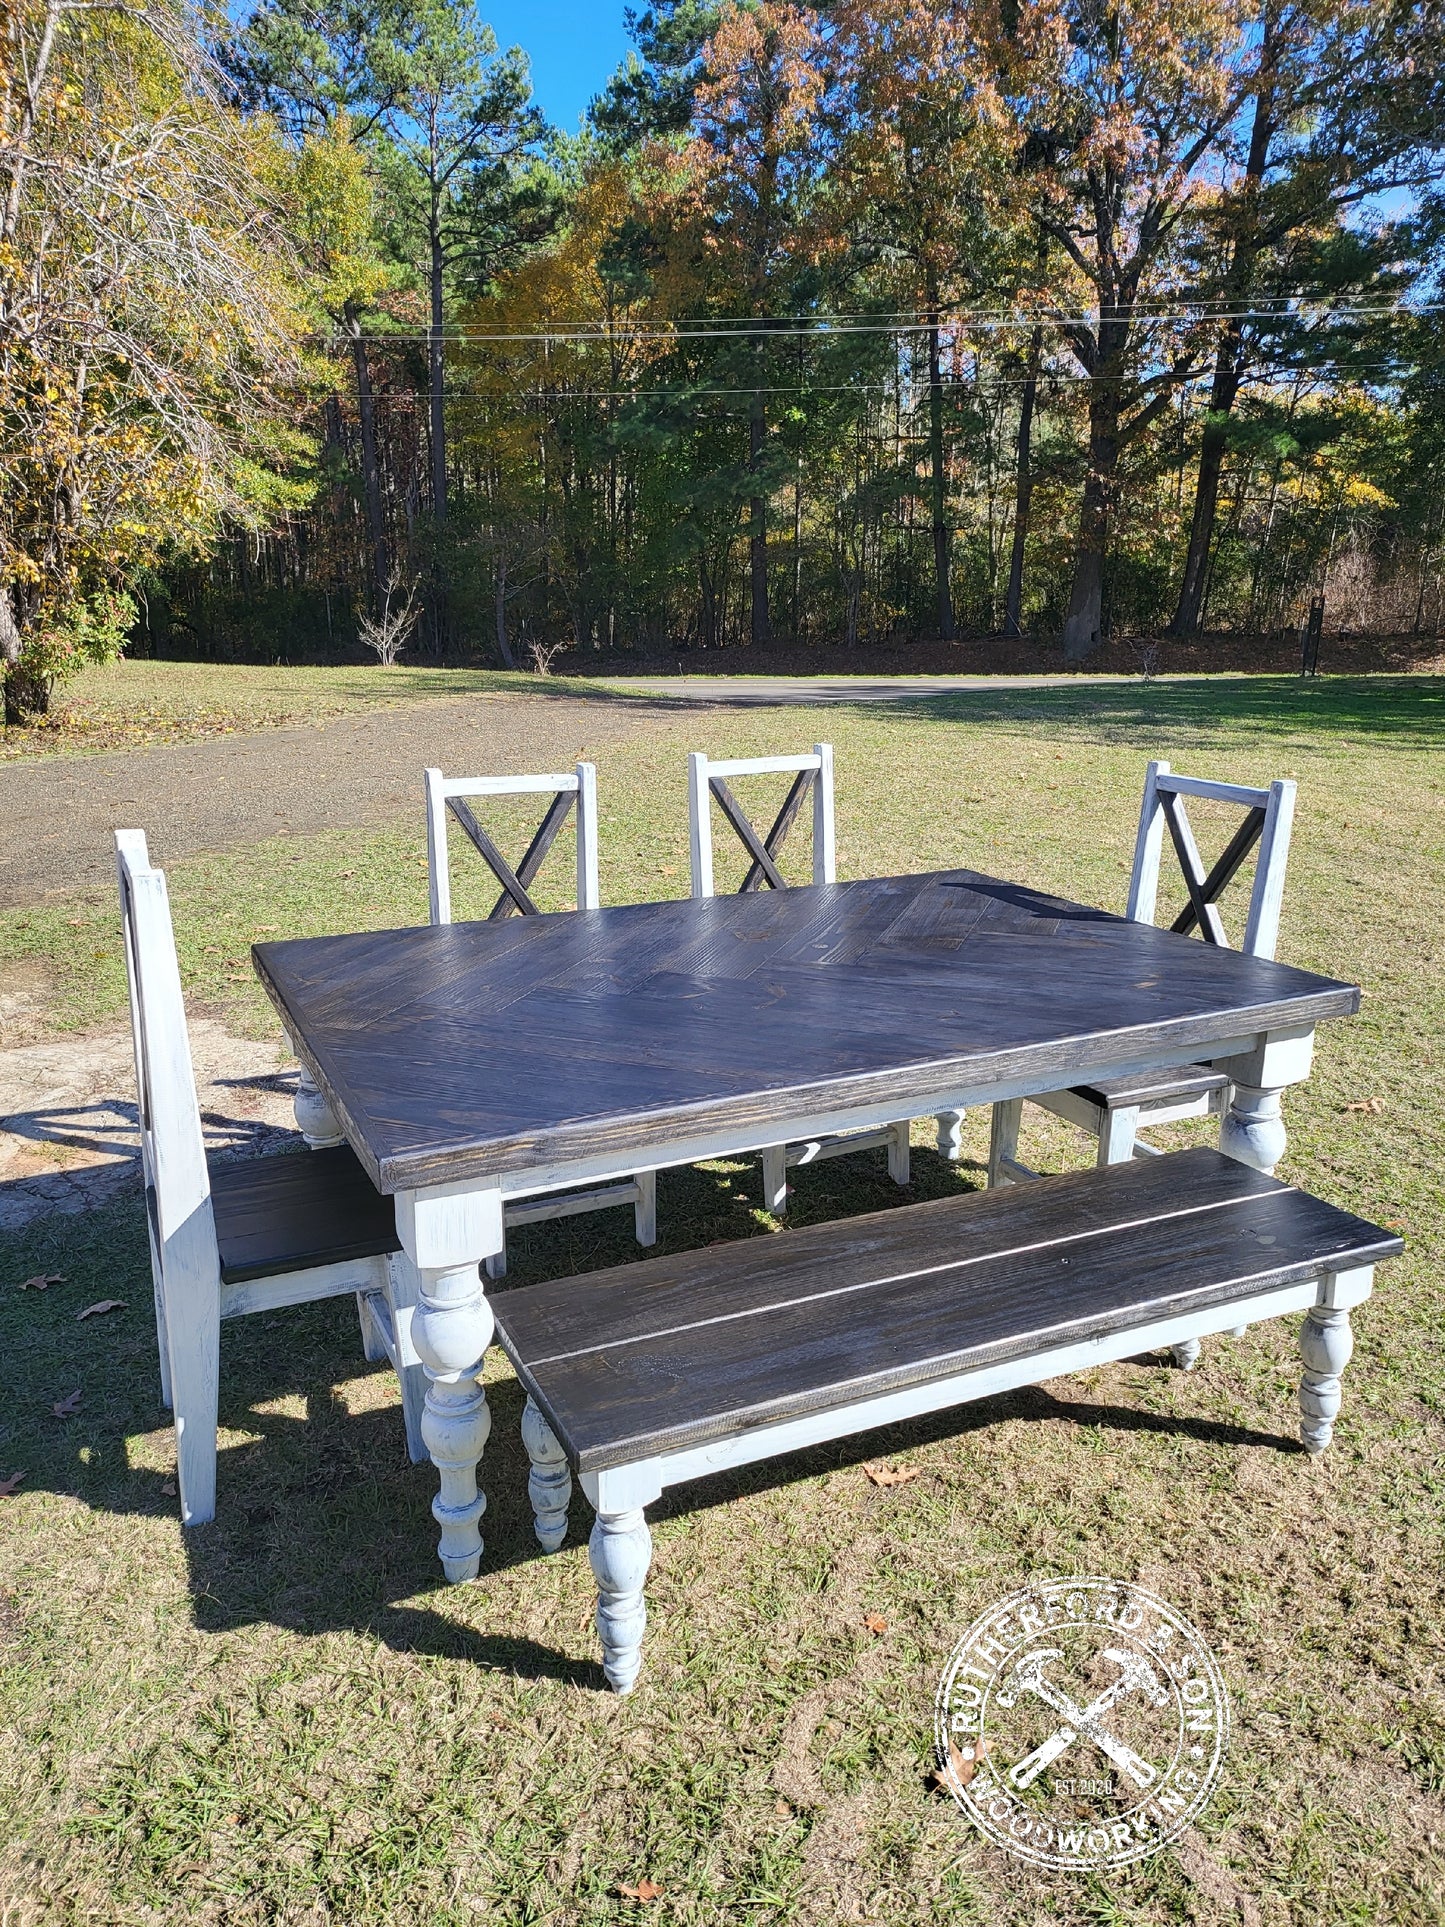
(296, 1211)
(1153, 1088)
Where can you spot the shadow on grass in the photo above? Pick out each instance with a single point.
(323, 1524)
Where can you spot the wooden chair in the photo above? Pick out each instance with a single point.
(253, 1235)
(707, 783)
(1115, 1109)
(452, 796)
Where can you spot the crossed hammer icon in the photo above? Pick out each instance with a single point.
(1136, 1675)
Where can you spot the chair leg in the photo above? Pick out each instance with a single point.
(193, 1340)
(373, 1346)
(644, 1212)
(1003, 1142)
(950, 1135)
(775, 1179)
(1117, 1132)
(163, 1355)
(1326, 1344)
(898, 1152)
(549, 1484)
(496, 1265)
(620, 1552)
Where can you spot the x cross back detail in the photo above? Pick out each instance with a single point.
(764, 868)
(515, 896)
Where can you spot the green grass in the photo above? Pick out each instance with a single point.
(130, 704)
(284, 1717)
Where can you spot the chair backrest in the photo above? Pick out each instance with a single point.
(707, 781)
(447, 795)
(173, 1150)
(1268, 817)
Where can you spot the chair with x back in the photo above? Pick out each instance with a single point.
(452, 796)
(1115, 1109)
(246, 1235)
(708, 783)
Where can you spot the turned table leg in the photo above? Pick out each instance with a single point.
(620, 1552)
(950, 1135)
(315, 1118)
(448, 1232)
(1326, 1344)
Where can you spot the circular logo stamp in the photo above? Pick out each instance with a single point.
(1081, 1723)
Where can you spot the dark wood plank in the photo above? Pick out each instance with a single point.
(298, 1209)
(672, 1353)
(475, 1049)
(1227, 863)
(1152, 1087)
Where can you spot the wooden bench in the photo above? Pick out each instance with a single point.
(641, 1378)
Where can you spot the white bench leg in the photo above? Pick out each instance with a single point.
(1326, 1344)
(1186, 1354)
(775, 1179)
(644, 1212)
(950, 1135)
(496, 1265)
(620, 1552)
(898, 1152)
(373, 1345)
(1117, 1132)
(1003, 1142)
(549, 1485)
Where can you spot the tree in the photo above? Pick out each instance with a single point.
(147, 321)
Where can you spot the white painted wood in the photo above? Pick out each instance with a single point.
(451, 1329)
(190, 1298)
(699, 823)
(950, 1135)
(1186, 1354)
(898, 1151)
(449, 1224)
(1261, 934)
(1003, 1143)
(620, 1552)
(589, 886)
(765, 765)
(549, 1485)
(621, 1487)
(315, 1119)
(1271, 1062)
(1253, 1128)
(1117, 1132)
(574, 1204)
(580, 782)
(775, 1179)
(1148, 846)
(1343, 1290)
(1326, 1344)
(825, 845)
(1240, 793)
(644, 1211)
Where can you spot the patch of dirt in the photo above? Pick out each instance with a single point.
(1213, 1881)
(68, 1132)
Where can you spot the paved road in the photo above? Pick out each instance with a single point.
(766, 692)
(59, 812)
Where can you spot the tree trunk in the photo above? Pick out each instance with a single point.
(24, 695)
(504, 646)
(1228, 373)
(370, 467)
(1023, 490)
(762, 627)
(938, 488)
(436, 371)
(1082, 625)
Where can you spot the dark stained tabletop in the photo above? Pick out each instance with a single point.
(476, 1049)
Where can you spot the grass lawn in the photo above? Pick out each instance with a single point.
(128, 704)
(285, 1717)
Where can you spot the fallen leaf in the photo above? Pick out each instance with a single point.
(7, 1486)
(348, 873)
(100, 1305)
(783, 1810)
(1372, 1106)
(42, 1281)
(268, 929)
(644, 1890)
(169, 1488)
(76, 923)
(669, 869)
(890, 1474)
(67, 1406)
(963, 1763)
(875, 1622)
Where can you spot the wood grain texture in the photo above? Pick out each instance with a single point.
(677, 1351)
(295, 1211)
(1152, 1087)
(475, 1049)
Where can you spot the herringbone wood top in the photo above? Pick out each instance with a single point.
(480, 1048)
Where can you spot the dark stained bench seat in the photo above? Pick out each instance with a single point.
(295, 1211)
(642, 1377)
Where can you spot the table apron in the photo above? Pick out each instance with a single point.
(1276, 1058)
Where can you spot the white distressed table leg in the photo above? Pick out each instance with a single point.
(446, 1231)
(315, 1119)
(950, 1135)
(898, 1152)
(1186, 1354)
(620, 1552)
(1117, 1132)
(775, 1179)
(1326, 1343)
(1253, 1129)
(549, 1485)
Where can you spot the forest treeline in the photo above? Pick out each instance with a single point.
(878, 318)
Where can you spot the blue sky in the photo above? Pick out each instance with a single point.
(575, 47)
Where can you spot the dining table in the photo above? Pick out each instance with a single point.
(472, 1064)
